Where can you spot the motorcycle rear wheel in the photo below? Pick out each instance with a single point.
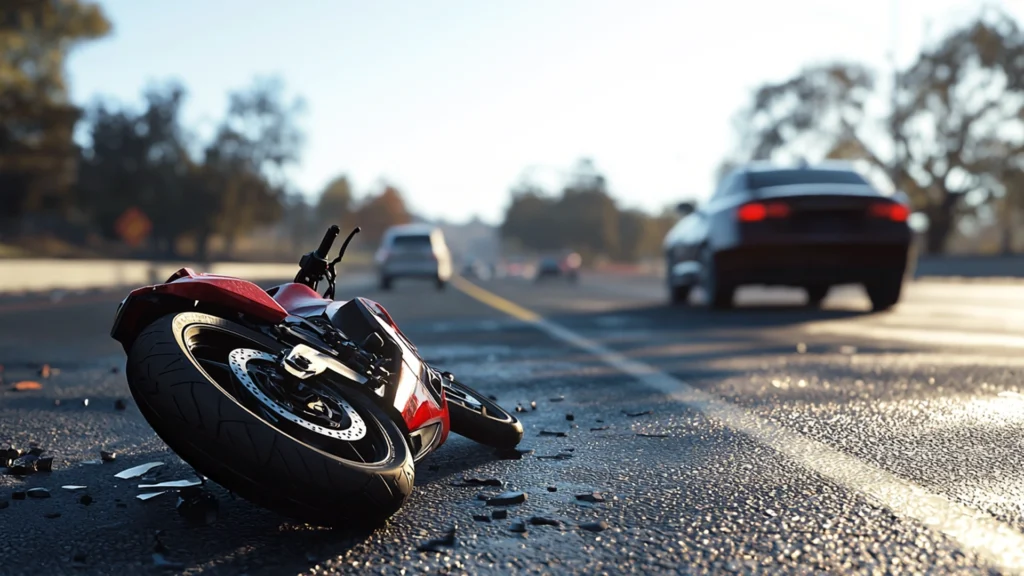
(206, 387)
(480, 419)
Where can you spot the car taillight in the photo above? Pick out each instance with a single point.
(890, 211)
(757, 211)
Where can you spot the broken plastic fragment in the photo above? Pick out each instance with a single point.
(51, 515)
(74, 487)
(599, 526)
(591, 497)
(85, 500)
(635, 414)
(507, 499)
(161, 561)
(92, 462)
(137, 471)
(108, 456)
(44, 464)
(38, 493)
(439, 545)
(172, 484)
(467, 481)
(151, 495)
(198, 505)
(26, 385)
(556, 434)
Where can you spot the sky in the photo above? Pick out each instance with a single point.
(453, 101)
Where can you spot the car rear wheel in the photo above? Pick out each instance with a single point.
(679, 295)
(885, 290)
(719, 293)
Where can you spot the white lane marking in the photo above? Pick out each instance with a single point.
(995, 542)
(919, 335)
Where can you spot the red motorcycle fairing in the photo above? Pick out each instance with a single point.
(143, 305)
(299, 299)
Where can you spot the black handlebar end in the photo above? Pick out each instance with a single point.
(329, 238)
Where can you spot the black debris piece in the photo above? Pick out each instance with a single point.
(559, 456)
(542, 521)
(635, 414)
(592, 497)
(570, 417)
(481, 517)
(440, 545)
(121, 505)
(108, 456)
(4, 504)
(198, 505)
(600, 428)
(569, 450)
(556, 399)
(161, 561)
(85, 500)
(485, 496)
(120, 405)
(492, 397)
(114, 370)
(45, 464)
(512, 453)
(552, 488)
(556, 434)
(79, 558)
(519, 527)
(533, 405)
(17, 495)
(507, 499)
(520, 408)
(599, 421)
(468, 482)
(599, 526)
(24, 466)
(651, 435)
(51, 515)
(38, 493)
(9, 455)
(499, 514)
(36, 451)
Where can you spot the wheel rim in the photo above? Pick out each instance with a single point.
(464, 396)
(319, 415)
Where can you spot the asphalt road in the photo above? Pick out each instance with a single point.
(768, 439)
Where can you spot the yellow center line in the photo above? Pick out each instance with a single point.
(494, 301)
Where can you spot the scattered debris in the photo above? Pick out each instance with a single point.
(507, 499)
(486, 495)
(45, 464)
(556, 399)
(635, 414)
(92, 462)
(553, 433)
(85, 500)
(593, 497)
(499, 514)
(652, 435)
(108, 456)
(570, 417)
(492, 397)
(35, 450)
(552, 488)
(38, 493)
(120, 405)
(73, 487)
(439, 545)
(468, 482)
(512, 453)
(533, 405)
(26, 385)
(85, 402)
(801, 348)
(24, 466)
(9, 454)
(20, 495)
(136, 471)
(44, 371)
(519, 527)
(520, 408)
(161, 561)
(51, 515)
(599, 526)
(542, 521)
(172, 484)
(198, 505)
(151, 495)
(559, 456)
(600, 428)
(481, 517)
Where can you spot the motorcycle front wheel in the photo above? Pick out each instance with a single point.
(480, 419)
(319, 452)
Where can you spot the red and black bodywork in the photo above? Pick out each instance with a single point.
(413, 393)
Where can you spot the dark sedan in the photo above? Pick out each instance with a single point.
(809, 227)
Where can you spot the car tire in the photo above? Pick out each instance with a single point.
(885, 291)
(385, 283)
(679, 295)
(816, 294)
(720, 294)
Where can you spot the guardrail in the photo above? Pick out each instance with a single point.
(26, 276)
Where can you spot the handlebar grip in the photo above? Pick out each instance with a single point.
(325, 245)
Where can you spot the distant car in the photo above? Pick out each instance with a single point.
(809, 227)
(478, 269)
(414, 251)
(565, 267)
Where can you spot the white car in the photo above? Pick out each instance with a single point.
(414, 251)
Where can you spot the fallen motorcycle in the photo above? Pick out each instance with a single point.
(313, 408)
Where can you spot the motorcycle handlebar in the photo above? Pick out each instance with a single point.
(325, 245)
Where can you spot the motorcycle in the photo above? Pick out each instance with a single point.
(313, 408)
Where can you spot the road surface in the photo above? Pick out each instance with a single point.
(767, 439)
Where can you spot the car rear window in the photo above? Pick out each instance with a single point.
(757, 180)
(411, 240)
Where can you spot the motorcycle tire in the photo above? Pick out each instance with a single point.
(480, 419)
(228, 434)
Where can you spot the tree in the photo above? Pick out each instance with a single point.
(958, 110)
(379, 212)
(335, 204)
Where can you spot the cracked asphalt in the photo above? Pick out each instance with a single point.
(929, 393)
